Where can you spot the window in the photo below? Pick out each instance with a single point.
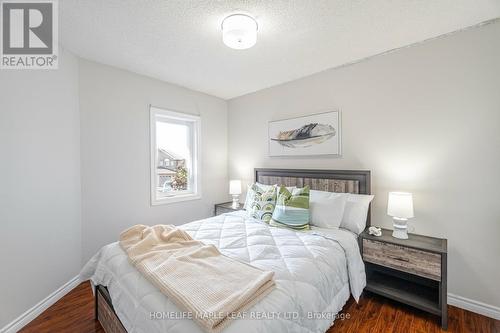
(175, 156)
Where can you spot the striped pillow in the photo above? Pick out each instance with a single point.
(292, 209)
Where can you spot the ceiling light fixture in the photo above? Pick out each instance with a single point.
(239, 31)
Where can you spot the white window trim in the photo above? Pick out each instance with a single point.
(153, 113)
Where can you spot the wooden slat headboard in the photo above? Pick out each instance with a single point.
(342, 181)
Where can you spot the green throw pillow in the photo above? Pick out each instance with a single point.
(262, 203)
(292, 209)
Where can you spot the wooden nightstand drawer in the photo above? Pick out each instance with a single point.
(412, 271)
(414, 261)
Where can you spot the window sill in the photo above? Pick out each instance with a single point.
(174, 199)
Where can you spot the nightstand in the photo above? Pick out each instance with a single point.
(226, 207)
(412, 271)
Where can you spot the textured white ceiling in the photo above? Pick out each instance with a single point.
(180, 41)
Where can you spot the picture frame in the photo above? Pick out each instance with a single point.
(310, 135)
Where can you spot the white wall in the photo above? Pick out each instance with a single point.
(424, 119)
(40, 227)
(114, 106)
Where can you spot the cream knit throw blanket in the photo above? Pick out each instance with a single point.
(196, 277)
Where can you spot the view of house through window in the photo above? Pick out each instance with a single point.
(174, 155)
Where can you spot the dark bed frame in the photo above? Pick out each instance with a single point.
(343, 181)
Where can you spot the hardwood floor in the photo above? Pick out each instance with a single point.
(72, 313)
(75, 313)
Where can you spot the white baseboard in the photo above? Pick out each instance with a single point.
(35, 311)
(474, 306)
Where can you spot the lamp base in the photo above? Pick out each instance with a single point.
(400, 228)
(236, 201)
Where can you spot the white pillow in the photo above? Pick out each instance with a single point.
(356, 212)
(326, 208)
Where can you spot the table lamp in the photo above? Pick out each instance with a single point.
(235, 191)
(400, 207)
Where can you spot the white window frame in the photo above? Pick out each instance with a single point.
(195, 194)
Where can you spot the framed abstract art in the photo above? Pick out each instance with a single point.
(317, 134)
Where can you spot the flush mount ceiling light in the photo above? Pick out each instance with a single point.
(239, 31)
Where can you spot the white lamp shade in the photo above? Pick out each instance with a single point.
(235, 187)
(400, 205)
(239, 31)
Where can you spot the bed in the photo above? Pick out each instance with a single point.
(316, 271)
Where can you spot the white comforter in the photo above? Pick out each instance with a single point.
(313, 272)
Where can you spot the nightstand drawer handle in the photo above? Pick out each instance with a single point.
(399, 259)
